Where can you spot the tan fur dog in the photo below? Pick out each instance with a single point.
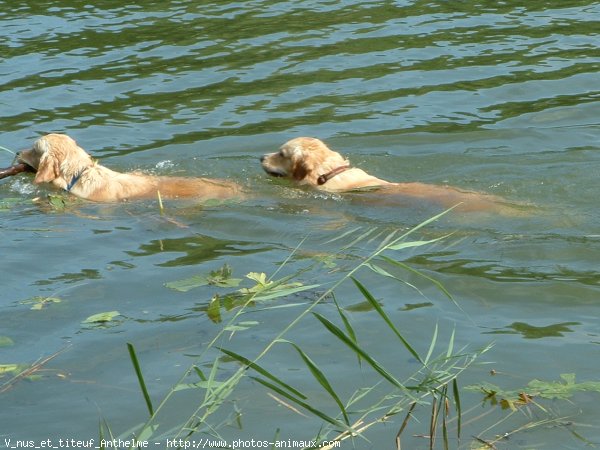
(308, 161)
(60, 161)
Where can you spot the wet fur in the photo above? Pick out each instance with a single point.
(305, 159)
(59, 160)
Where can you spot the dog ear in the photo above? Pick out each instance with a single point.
(48, 170)
(300, 171)
(300, 168)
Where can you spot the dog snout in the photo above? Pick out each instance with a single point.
(23, 156)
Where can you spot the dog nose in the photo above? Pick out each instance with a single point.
(262, 158)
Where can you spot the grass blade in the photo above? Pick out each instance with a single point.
(210, 382)
(354, 347)
(457, 406)
(406, 267)
(138, 372)
(444, 401)
(322, 380)
(432, 345)
(301, 403)
(404, 424)
(283, 292)
(343, 235)
(262, 371)
(347, 324)
(427, 222)
(385, 317)
(410, 244)
(433, 422)
(450, 345)
(199, 373)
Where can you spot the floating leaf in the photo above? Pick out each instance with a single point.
(188, 283)
(57, 202)
(511, 399)
(260, 278)
(220, 278)
(267, 290)
(562, 390)
(241, 326)
(40, 302)
(102, 318)
(214, 309)
(12, 369)
(5, 341)
(283, 290)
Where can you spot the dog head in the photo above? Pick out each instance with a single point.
(303, 160)
(57, 159)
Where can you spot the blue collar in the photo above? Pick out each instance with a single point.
(75, 179)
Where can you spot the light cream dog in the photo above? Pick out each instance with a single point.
(308, 161)
(59, 161)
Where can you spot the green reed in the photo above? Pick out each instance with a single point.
(433, 383)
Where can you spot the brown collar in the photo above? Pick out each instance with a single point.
(329, 175)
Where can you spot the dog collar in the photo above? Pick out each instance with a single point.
(75, 179)
(329, 175)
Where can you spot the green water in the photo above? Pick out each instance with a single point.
(496, 97)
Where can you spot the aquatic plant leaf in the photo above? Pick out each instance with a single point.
(220, 278)
(552, 390)
(261, 285)
(410, 244)
(354, 347)
(284, 290)
(140, 377)
(457, 406)
(102, 317)
(188, 284)
(241, 326)
(57, 202)
(301, 403)
(214, 309)
(260, 278)
(5, 341)
(254, 366)
(268, 290)
(385, 318)
(322, 380)
(406, 267)
(39, 302)
(12, 369)
(198, 385)
(432, 344)
(562, 390)
(347, 325)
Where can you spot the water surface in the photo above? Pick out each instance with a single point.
(499, 98)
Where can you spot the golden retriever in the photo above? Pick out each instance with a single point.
(60, 161)
(308, 161)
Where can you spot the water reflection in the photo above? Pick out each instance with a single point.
(196, 249)
(68, 278)
(532, 332)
